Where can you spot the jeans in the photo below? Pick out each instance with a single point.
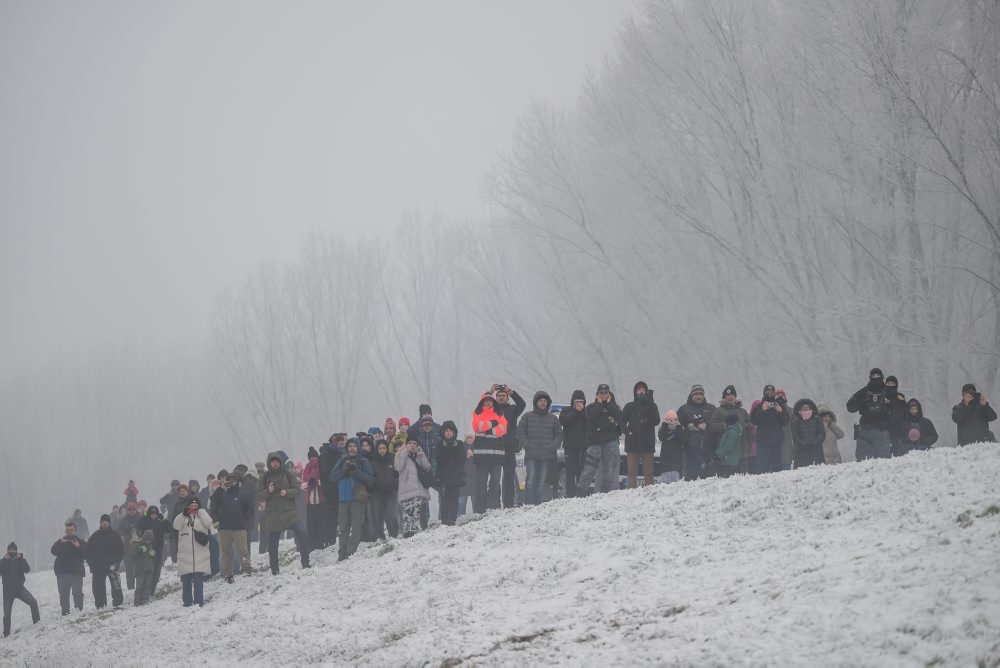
(487, 495)
(143, 584)
(463, 504)
(8, 607)
(273, 537)
(194, 581)
(574, 465)
(604, 456)
(213, 552)
(233, 551)
(67, 583)
(384, 514)
(536, 475)
(98, 585)
(509, 484)
(768, 457)
(872, 443)
(350, 521)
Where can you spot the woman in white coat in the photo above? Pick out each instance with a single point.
(193, 558)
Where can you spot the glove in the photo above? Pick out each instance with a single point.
(113, 567)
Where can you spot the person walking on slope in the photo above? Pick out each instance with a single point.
(874, 403)
(808, 433)
(104, 552)
(414, 479)
(831, 453)
(573, 419)
(155, 522)
(915, 432)
(353, 474)
(539, 434)
(639, 419)
(13, 568)
(973, 416)
(488, 454)
(82, 528)
(194, 560)
(277, 489)
(604, 420)
(694, 416)
(69, 551)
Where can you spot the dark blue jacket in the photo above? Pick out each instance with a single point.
(346, 482)
(232, 508)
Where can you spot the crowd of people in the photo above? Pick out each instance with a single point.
(377, 484)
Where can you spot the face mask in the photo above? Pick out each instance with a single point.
(806, 414)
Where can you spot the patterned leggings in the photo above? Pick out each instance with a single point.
(410, 509)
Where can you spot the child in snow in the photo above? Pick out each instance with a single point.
(728, 451)
(808, 433)
(413, 491)
(915, 431)
(831, 453)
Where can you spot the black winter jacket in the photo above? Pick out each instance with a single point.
(329, 455)
(807, 435)
(512, 411)
(159, 527)
(770, 423)
(574, 424)
(12, 571)
(69, 558)
(104, 549)
(874, 402)
(672, 442)
(386, 475)
(451, 463)
(915, 432)
(973, 422)
(639, 419)
(604, 422)
(232, 508)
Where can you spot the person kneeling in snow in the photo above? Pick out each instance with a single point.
(414, 478)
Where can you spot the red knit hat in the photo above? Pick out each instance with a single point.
(404, 420)
(388, 423)
(132, 506)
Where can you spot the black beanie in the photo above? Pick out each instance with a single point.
(12, 546)
(730, 389)
(892, 380)
(875, 372)
(312, 453)
(106, 517)
(448, 424)
(968, 387)
(424, 409)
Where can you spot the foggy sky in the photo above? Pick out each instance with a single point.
(153, 153)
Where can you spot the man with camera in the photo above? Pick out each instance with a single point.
(277, 489)
(973, 416)
(154, 521)
(13, 567)
(353, 475)
(232, 510)
(70, 551)
(504, 393)
(770, 417)
(604, 428)
(874, 403)
(105, 550)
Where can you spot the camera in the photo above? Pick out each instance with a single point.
(352, 467)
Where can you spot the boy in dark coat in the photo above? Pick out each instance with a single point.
(915, 432)
(808, 433)
(573, 419)
(104, 552)
(13, 567)
(451, 457)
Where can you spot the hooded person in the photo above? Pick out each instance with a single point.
(194, 559)
(154, 521)
(315, 502)
(897, 413)
(808, 433)
(915, 432)
(604, 428)
(639, 419)
(450, 472)
(504, 396)
(539, 434)
(144, 555)
(788, 444)
(488, 453)
(694, 416)
(770, 418)
(13, 568)
(874, 404)
(105, 551)
(728, 450)
(672, 443)
(972, 416)
(831, 453)
(353, 475)
(414, 473)
(383, 498)
(573, 419)
(277, 490)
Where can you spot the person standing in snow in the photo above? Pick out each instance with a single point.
(573, 419)
(510, 412)
(70, 552)
(488, 453)
(728, 450)
(831, 453)
(469, 488)
(155, 522)
(539, 434)
(450, 472)
(399, 440)
(385, 506)
(413, 491)
(770, 418)
(694, 416)
(13, 568)
(731, 405)
(914, 431)
(194, 560)
(131, 493)
(808, 433)
(329, 454)
(897, 413)
(232, 509)
(874, 403)
(430, 443)
(973, 416)
(126, 529)
(604, 420)
(277, 489)
(104, 552)
(315, 502)
(144, 555)
(353, 474)
(639, 419)
(672, 443)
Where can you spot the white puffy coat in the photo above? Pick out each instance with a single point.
(192, 557)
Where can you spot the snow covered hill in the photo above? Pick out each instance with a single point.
(882, 563)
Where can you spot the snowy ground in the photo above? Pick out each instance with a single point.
(881, 563)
